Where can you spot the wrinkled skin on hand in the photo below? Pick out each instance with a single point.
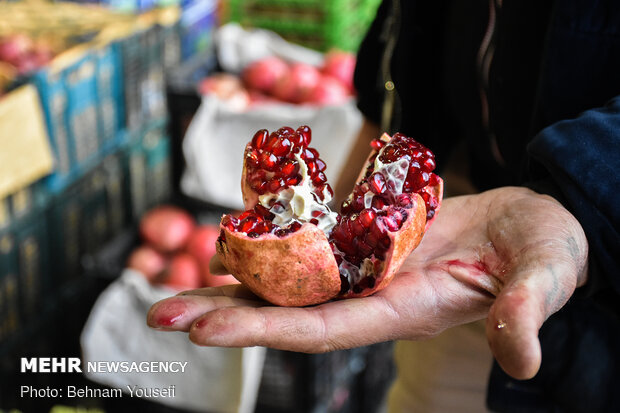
(508, 255)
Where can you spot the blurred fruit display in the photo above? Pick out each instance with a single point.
(176, 250)
(272, 79)
(318, 24)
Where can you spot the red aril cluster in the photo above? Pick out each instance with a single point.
(419, 162)
(273, 161)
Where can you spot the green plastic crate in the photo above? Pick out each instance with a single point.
(318, 24)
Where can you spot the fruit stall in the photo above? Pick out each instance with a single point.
(122, 127)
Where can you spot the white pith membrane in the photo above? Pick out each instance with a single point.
(299, 203)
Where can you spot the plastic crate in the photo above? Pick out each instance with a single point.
(317, 24)
(110, 92)
(149, 168)
(53, 96)
(83, 107)
(87, 214)
(9, 272)
(144, 71)
(82, 110)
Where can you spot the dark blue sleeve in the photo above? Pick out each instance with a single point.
(581, 158)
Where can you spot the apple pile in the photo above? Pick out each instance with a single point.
(176, 250)
(274, 79)
(23, 53)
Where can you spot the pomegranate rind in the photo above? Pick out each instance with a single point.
(292, 271)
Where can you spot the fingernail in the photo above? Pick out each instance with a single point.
(167, 313)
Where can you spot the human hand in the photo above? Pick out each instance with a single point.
(510, 255)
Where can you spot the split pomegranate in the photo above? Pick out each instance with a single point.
(291, 249)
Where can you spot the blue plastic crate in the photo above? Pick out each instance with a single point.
(53, 95)
(110, 93)
(149, 168)
(82, 108)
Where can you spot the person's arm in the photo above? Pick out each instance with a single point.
(578, 162)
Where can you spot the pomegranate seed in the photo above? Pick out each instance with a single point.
(319, 178)
(262, 211)
(298, 140)
(282, 147)
(404, 200)
(377, 183)
(434, 180)
(306, 133)
(357, 227)
(245, 214)
(364, 249)
(429, 164)
(268, 161)
(285, 130)
(320, 165)
(271, 142)
(293, 181)
(312, 169)
(294, 226)
(252, 158)
(330, 191)
(290, 167)
(253, 234)
(391, 223)
(378, 202)
(377, 144)
(247, 224)
(308, 155)
(280, 232)
(262, 188)
(317, 214)
(420, 180)
(366, 217)
(259, 138)
(275, 184)
(314, 221)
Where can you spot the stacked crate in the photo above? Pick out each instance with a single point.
(104, 110)
(317, 24)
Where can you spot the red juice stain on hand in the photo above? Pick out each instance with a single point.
(478, 266)
(170, 312)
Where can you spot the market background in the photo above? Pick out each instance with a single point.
(92, 137)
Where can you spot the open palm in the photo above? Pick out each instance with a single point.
(510, 255)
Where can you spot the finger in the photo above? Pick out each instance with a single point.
(327, 327)
(177, 313)
(517, 315)
(216, 267)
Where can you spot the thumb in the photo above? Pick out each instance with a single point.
(517, 314)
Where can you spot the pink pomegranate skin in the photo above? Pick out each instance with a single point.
(293, 271)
